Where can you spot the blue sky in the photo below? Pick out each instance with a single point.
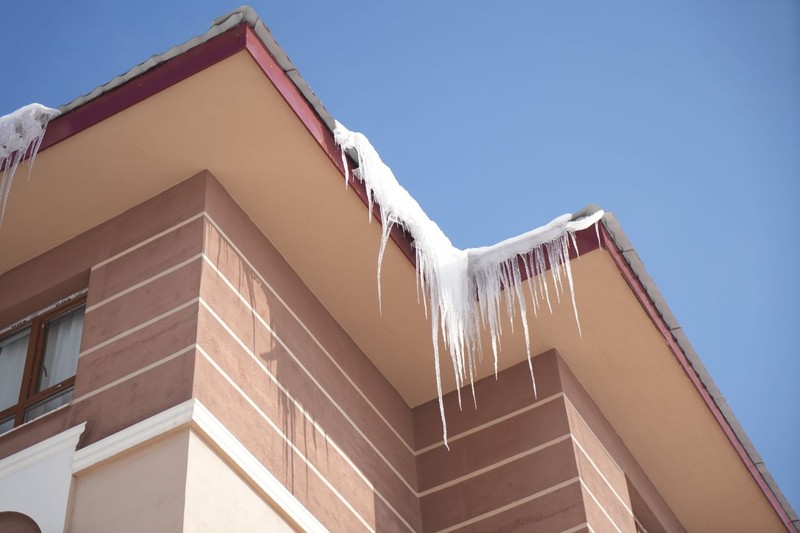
(683, 118)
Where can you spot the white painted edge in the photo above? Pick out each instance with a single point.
(494, 466)
(511, 505)
(490, 423)
(148, 240)
(599, 505)
(214, 430)
(42, 450)
(271, 423)
(134, 435)
(145, 282)
(585, 525)
(307, 372)
(577, 412)
(627, 507)
(138, 327)
(135, 373)
(306, 415)
(192, 413)
(305, 328)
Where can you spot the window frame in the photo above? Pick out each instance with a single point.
(31, 374)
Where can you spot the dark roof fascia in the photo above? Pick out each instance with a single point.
(152, 76)
(242, 29)
(235, 33)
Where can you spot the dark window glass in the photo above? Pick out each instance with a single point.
(38, 364)
(13, 352)
(62, 343)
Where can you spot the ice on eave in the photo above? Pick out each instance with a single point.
(21, 134)
(466, 288)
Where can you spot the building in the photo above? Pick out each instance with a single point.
(189, 317)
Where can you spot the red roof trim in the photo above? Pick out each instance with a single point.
(649, 307)
(192, 61)
(318, 130)
(141, 87)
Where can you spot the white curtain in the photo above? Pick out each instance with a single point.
(62, 344)
(13, 351)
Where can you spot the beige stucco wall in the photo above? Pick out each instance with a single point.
(218, 499)
(143, 490)
(175, 483)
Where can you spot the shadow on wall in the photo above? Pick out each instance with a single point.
(272, 357)
(323, 420)
(285, 387)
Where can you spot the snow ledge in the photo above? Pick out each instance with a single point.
(21, 134)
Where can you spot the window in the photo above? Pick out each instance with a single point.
(37, 363)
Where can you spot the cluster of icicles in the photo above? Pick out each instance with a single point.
(21, 134)
(466, 288)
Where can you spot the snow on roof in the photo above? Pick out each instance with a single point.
(21, 133)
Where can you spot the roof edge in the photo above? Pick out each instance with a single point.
(248, 15)
(220, 25)
(633, 270)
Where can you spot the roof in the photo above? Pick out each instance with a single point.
(97, 105)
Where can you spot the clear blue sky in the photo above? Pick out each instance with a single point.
(681, 117)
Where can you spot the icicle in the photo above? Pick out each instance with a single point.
(472, 388)
(597, 232)
(21, 133)
(387, 230)
(575, 244)
(572, 291)
(439, 389)
(465, 287)
(542, 281)
(346, 169)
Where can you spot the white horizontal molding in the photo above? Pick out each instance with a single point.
(148, 240)
(40, 451)
(194, 414)
(210, 427)
(172, 418)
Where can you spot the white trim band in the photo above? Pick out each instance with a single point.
(138, 327)
(138, 372)
(140, 284)
(511, 505)
(599, 506)
(496, 465)
(195, 414)
(288, 441)
(307, 330)
(148, 240)
(41, 450)
(131, 436)
(297, 361)
(490, 423)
